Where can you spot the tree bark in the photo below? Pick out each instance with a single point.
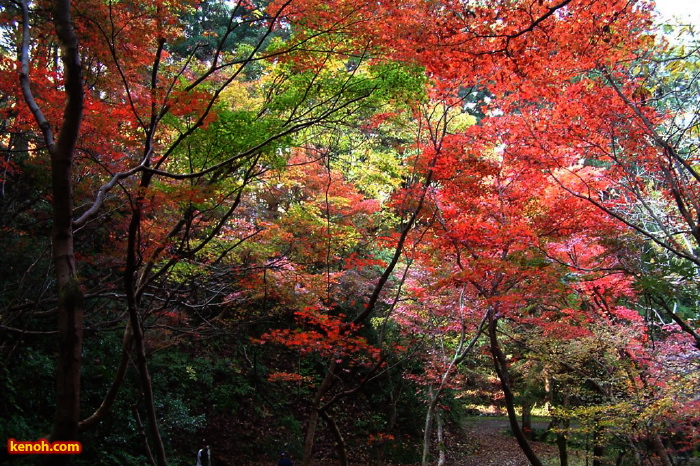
(143, 435)
(440, 439)
(562, 424)
(313, 417)
(61, 152)
(428, 429)
(132, 264)
(70, 294)
(661, 450)
(598, 448)
(339, 440)
(310, 436)
(526, 418)
(501, 366)
(562, 443)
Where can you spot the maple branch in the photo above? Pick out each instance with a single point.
(677, 319)
(508, 37)
(295, 128)
(106, 406)
(398, 251)
(28, 332)
(229, 30)
(249, 59)
(325, 114)
(155, 116)
(25, 82)
(649, 126)
(550, 11)
(144, 278)
(654, 238)
(111, 39)
(102, 192)
(99, 200)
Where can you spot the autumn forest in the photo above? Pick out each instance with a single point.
(345, 229)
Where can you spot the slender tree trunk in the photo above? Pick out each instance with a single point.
(526, 418)
(635, 451)
(428, 428)
(313, 417)
(339, 440)
(143, 435)
(147, 388)
(501, 366)
(130, 271)
(440, 439)
(563, 434)
(361, 318)
(462, 351)
(310, 436)
(395, 396)
(562, 443)
(111, 396)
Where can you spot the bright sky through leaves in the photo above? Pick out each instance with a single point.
(682, 9)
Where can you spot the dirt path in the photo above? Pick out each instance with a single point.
(494, 445)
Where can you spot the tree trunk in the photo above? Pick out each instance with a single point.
(111, 396)
(598, 454)
(526, 419)
(660, 450)
(395, 396)
(501, 366)
(313, 417)
(563, 434)
(310, 437)
(143, 435)
(61, 152)
(70, 295)
(428, 428)
(440, 439)
(130, 287)
(562, 443)
(339, 440)
(598, 448)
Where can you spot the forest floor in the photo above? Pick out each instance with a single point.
(488, 441)
(491, 443)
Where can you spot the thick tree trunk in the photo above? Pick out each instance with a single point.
(660, 450)
(501, 366)
(61, 150)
